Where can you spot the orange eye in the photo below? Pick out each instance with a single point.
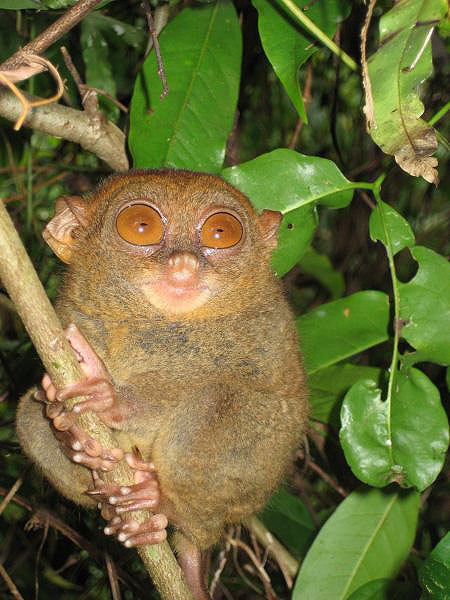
(140, 225)
(221, 230)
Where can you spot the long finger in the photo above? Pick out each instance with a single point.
(91, 364)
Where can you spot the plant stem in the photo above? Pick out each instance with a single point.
(440, 113)
(319, 34)
(395, 291)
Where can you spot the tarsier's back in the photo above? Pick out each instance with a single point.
(169, 279)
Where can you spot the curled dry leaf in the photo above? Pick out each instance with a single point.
(415, 157)
(396, 70)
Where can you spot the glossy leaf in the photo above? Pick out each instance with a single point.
(327, 388)
(295, 235)
(434, 574)
(367, 537)
(403, 441)
(189, 128)
(385, 589)
(20, 4)
(98, 67)
(320, 267)
(286, 45)
(288, 519)
(293, 184)
(396, 70)
(399, 230)
(350, 325)
(425, 308)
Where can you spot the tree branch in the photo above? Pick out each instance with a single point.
(45, 39)
(34, 308)
(103, 139)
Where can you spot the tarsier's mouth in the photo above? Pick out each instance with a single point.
(176, 298)
(181, 287)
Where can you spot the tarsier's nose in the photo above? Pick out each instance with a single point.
(183, 267)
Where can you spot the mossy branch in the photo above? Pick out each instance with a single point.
(26, 291)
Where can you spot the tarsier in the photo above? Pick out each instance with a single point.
(190, 355)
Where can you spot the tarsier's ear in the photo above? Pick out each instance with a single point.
(269, 221)
(71, 214)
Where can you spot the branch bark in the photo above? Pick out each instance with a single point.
(33, 306)
(102, 138)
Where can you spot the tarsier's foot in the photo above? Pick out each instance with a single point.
(131, 533)
(101, 399)
(118, 500)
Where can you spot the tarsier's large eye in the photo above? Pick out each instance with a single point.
(221, 230)
(140, 225)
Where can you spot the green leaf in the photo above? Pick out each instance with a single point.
(286, 180)
(98, 67)
(286, 45)
(293, 184)
(327, 388)
(132, 36)
(320, 267)
(367, 537)
(434, 575)
(295, 234)
(385, 589)
(350, 325)
(201, 50)
(425, 307)
(404, 441)
(396, 70)
(19, 4)
(288, 519)
(399, 230)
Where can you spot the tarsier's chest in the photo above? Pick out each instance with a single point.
(183, 357)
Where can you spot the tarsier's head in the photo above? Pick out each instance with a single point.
(174, 239)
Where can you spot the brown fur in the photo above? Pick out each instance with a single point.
(218, 395)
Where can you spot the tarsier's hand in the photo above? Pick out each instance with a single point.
(101, 399)
(118, 500)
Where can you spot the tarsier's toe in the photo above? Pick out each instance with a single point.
(127, 498)
(92, 462)
(131, 533)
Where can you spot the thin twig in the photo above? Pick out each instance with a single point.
(328, 479)
(10, 583)
(223, 557)
(367, 199)
(112, 576)
(306, 100)
(38, 558)
(368, 108)
(10, 495)
(89, 88)
(41, 515)
(89, 100)
(71, 67)
(265, 579)
(151, 27)
(39, 186)
(288, 564)
(237, 566)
